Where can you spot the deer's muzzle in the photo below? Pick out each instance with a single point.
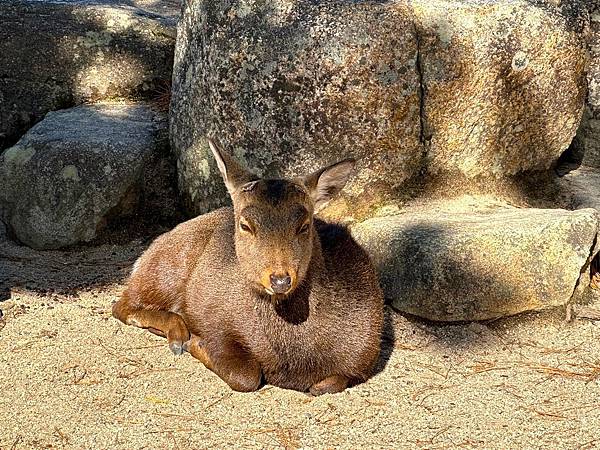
(280, 284)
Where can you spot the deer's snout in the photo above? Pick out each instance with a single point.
(278, 281)
(280, 284)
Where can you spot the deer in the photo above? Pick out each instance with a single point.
(263, 292)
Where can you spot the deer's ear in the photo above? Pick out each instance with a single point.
(324, 184)
(234, 175)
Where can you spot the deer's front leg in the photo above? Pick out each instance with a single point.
(162, 323)
(330, 385)
(231, 363)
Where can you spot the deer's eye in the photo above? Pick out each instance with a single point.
(245, 227)
(303, 229)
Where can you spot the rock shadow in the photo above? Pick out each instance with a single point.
(425, 273)
(388, 341)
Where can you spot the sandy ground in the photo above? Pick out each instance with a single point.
(73, 377)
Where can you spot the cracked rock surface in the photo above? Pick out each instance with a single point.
(504, 85)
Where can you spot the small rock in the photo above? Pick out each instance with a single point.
(463, 264)
(53, 192)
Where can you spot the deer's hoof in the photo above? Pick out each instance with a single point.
(176, 347)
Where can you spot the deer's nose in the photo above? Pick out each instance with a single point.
(280, 283)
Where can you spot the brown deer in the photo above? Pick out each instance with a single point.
(263, 292)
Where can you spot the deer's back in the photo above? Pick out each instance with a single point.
(160, 276)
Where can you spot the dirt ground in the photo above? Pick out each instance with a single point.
(73, 377)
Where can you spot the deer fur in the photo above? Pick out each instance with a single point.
(263, 292)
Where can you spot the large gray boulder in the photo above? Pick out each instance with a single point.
(77, 169)
(289, 88)
(504, 84)
(465, 261)
(453, 88)
(59, 53)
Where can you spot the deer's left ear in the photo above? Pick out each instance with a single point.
(324, 184)
(234, 175)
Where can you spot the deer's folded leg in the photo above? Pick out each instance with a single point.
(231, 363)
(330, 385)
(162, 323)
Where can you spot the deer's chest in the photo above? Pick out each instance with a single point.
(295, 349)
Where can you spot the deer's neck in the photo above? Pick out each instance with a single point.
(317, 271)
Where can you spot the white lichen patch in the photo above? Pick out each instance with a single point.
(520, 61)
(283, 12)
(244, 9)
(444, 31)
(71, 173)
(196, 164)
(95, 39)
(118, 20)
(436, 18)
(18, 156)
(204, 169)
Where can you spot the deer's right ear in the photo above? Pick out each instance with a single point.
(234, 175)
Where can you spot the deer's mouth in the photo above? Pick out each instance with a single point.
(280, 293)
(271, 292)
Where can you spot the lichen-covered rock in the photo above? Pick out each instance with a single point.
(76, 169)
(504, 85)
(59, 53)
(588, 136)
(453, 262)
(594, 69)
(476, 89)
(291, 86)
